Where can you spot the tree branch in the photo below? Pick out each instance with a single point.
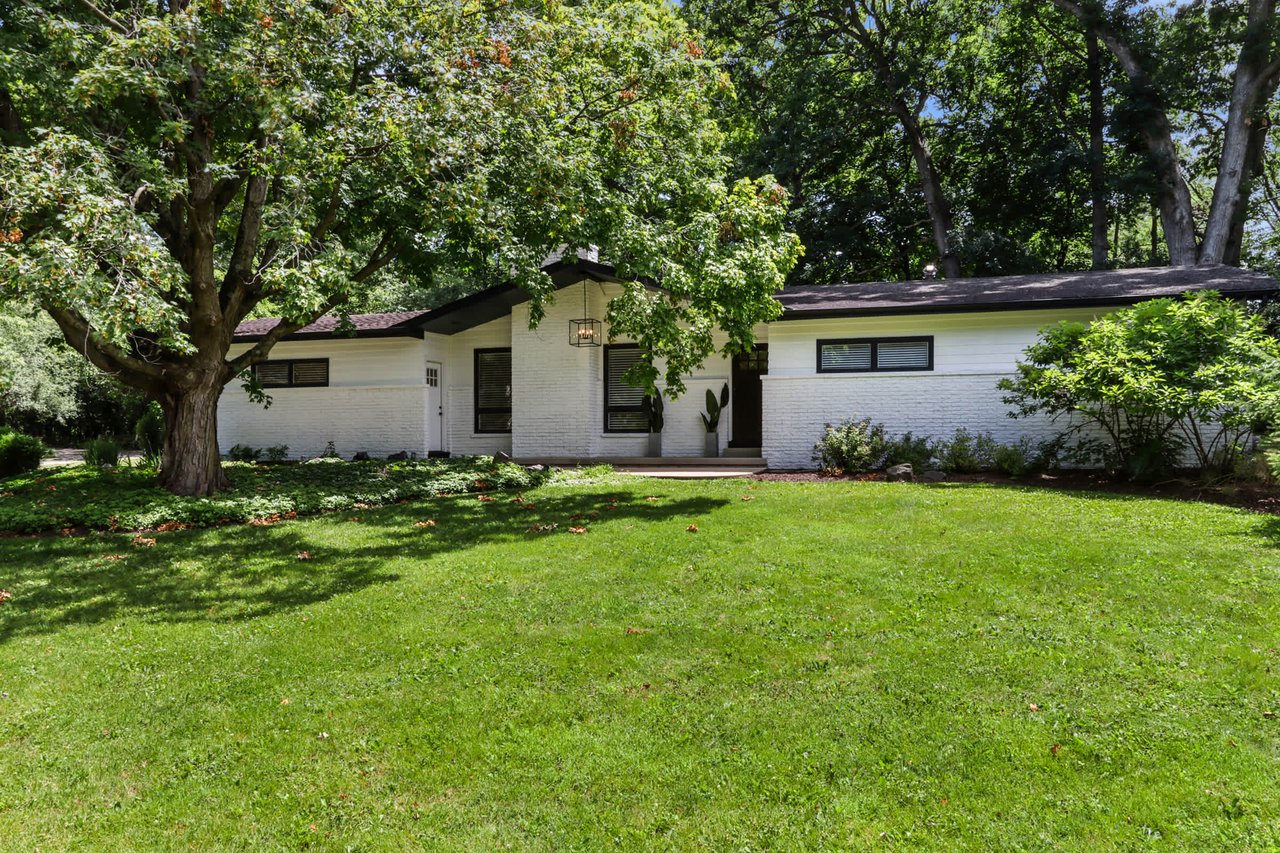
(105, 18)
(108, 357)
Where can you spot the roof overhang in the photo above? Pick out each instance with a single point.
(497, 302)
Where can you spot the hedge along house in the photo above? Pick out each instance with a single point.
(471, 377)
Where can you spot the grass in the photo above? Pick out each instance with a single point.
(826, 665)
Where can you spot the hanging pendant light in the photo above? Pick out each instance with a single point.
(585, 331)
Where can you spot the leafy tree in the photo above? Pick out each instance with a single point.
(1161, 377)
(1227, 56)
(168, 169)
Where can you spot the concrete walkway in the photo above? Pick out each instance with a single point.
(708, 472)
(63, 456)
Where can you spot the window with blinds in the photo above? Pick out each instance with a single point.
(623, 410)
(292, 373)
(493, 390)
(868, 355)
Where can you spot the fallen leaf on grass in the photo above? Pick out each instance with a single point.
(284, 701)
(322, 736)
(5, 595)
(518, 499)
(1270, 715)
(651, 499)
(304, 555)
(486, 498)
(540, 528)
(430, 522)
(692, 528)
(631, 631)
(481, 485)
(577, 530)
(1055, 749)
(143, 542)
(1034, 708)
(748, 497)
(111, 558)
(356, 519)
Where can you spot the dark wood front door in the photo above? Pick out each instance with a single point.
(748, 397)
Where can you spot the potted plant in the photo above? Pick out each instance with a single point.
(652, 406)
(711, 420)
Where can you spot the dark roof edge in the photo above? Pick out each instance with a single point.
(397, 331)
(989, 307)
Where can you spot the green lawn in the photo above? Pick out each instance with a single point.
(826, 665)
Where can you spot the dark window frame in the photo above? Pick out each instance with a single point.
(620, 409)
(875, 353)
(477, 411)
(291, 362)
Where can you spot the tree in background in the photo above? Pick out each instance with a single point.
(1059, 135)
(168, 169)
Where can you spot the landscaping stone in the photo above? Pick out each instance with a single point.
(933, 475)
(899, 473)
(402, 456)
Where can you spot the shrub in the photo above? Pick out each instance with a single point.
(148, 432)
(852, 447)
(910, 450)
(330, 451)
(244, 453)
(1164, 378)
(277, 452)
(19, 453)
(101, 453)
(1014, 460)
(967, 453)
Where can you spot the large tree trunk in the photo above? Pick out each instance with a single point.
(1097, 154)
(1254, 83)
(934, 197)
(191, 464)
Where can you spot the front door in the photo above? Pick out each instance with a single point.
(748, 396)
(435, 408)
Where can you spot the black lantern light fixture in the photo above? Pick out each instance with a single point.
(585, 331)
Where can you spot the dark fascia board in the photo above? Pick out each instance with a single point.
(464, 313)
(497, 302)
(400, 330)
(990, 307)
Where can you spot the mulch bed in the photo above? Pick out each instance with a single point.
(1257, 497)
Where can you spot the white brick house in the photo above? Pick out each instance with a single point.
(922, 356)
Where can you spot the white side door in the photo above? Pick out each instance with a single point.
(435, 406)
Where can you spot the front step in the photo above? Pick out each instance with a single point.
(746, 463)
(752, 452)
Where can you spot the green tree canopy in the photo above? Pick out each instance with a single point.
(168, 168)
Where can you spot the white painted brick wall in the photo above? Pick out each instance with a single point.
(797, 409)
(379, 420)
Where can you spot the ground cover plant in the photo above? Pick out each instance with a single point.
(126, 498)
(645, 664)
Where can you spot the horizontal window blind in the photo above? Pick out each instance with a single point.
(868, 355)
(292, 373)
(493, 390)
(902, 355)
(623, 410)
(846, 357)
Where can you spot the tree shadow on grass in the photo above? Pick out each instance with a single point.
(243, 572)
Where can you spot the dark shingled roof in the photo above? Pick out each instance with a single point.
(1000, 293)
(394, 324)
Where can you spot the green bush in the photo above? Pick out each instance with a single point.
(918, 452)
(967, 453)
(853, 447)
(244, 453)
(148, 432)
(101, 453)
(19, 453)
(1014, 460)
(277, 452)
(1145, 388)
